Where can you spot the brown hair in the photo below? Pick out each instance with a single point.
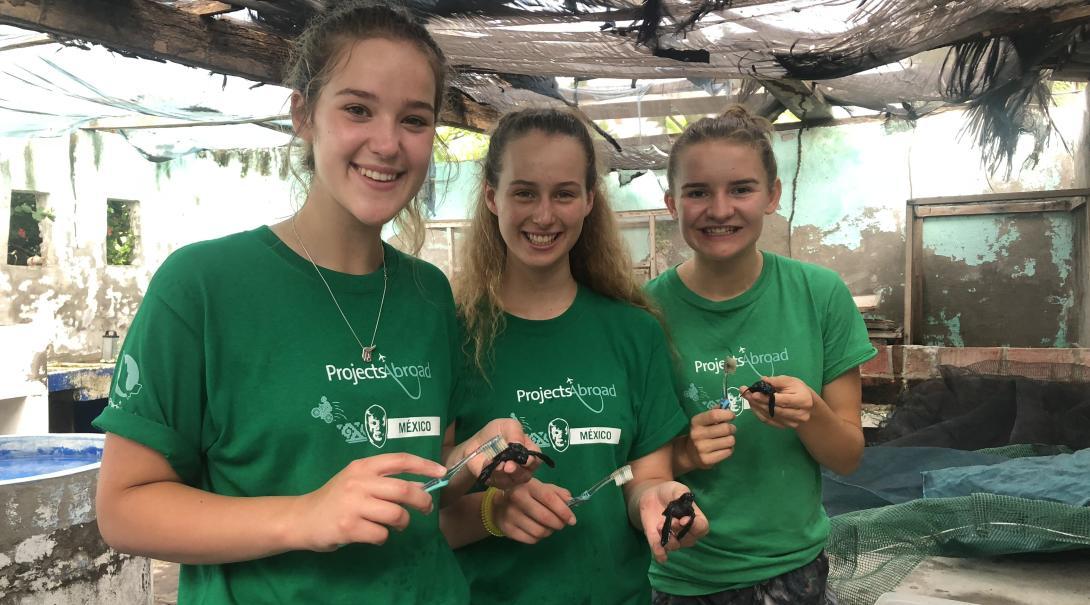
(736, 125)
(325, 42)
(599, 259)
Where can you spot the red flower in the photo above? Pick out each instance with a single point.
(109, 231)
(22, 233)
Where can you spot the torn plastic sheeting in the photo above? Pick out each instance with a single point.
(52, 88)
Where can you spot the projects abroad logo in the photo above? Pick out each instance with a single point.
(408, 377)
(744, 359)
(592, 397)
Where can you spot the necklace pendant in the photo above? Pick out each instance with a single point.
(367, 354)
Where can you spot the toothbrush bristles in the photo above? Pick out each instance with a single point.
(622, 475)
(493, 446)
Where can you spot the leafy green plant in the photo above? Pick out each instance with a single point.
(121, 239)
(35, 213)
(24, 228)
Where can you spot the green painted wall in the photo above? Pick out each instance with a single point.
(844, 208)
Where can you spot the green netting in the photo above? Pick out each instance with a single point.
(1025, 450)
(871, 551)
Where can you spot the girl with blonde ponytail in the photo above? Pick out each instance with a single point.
(770, 350)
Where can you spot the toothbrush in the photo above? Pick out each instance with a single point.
(620, 477)
(490, 448)
(730, 366)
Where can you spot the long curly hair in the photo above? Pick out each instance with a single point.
(599, 259)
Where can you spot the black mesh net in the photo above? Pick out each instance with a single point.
(993, 404)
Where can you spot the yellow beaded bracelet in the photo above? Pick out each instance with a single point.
(486, 513)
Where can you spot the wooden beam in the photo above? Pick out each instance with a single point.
(28, 41)
(157, 31)
(912, 226)
(1063, 205)
(1074, 13)
(802, 99)
(999, 197)
(205, 8)
(1082, 275)
(450, 249)
(462, 111)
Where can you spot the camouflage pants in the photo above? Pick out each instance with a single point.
(803, 586)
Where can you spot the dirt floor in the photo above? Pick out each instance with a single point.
(1056, 579)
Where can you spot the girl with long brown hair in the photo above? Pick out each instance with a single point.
(559, 337)
(277, 385)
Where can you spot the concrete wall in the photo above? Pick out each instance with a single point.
(75, 296)
(24, 396)
(50, 548)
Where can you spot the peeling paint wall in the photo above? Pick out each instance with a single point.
(848, 213)
(982, 271)
(979, 271)
(75, 294)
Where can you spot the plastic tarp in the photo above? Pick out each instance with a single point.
(48, 90)
(1061, 478)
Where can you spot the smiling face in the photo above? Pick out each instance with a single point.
(720, 198)
(371, 130)
(540, 199)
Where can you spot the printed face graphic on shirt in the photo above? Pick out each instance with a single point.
(375, 424)
(559, 431)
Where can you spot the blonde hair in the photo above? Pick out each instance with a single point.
(599, 259)
(325, 41)
(736, 125)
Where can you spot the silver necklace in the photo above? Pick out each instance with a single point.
(367, 351)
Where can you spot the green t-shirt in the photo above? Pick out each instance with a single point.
(764, 502)
(239, 370)
(594, 389)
